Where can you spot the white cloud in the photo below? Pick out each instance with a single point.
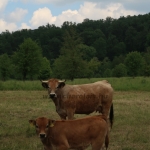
(48, 1)
(94, 11)
(7, 26)
(3, 4)
(17, 15)
(69, 15)
(41, 17)
(89, 10)
(24, 26)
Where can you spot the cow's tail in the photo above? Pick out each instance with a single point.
(111, 115)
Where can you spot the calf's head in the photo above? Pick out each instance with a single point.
(53, 85)
(42, 125)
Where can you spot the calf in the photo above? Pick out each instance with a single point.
(78, 134)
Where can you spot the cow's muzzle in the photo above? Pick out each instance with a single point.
(52, 95)
(42, 135)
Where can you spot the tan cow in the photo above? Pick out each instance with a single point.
(76, 134)
(80, 99)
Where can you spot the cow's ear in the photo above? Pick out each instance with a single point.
(32, 122)
(51, 123)
(45, 84)
(61, 84)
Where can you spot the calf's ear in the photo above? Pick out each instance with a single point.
(51, 123)
(32, 122)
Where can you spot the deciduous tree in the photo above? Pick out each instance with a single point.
(70, 63)
(45, 70)
(4, 67)
(28, 59)
(134, 63)
(120, 70)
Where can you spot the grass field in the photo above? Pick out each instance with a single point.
(131, 129)
(119, 84)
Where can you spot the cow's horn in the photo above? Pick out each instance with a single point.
(60, 81)
(44, 81)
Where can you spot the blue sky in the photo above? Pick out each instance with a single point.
(24, 14)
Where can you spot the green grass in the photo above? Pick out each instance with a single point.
(24, 100)
(16, 108)
(130, 131)
(20, 85)
(119, 84)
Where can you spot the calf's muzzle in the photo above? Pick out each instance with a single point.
(42, 135)
(52, 95)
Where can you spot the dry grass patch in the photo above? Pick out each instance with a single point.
(132, 124)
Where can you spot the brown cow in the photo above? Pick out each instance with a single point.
(80, 99)
(76, 134)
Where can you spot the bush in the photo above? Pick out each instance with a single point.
(120, 70)
(107, 73)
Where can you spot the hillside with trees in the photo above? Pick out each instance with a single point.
(94, 48)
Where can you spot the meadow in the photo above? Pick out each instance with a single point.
(119, 84)
(24, 100)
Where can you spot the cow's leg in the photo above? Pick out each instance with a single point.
(106, 111)
(63, 117)
(107, 108)
(70, 114)
(62, 114)
(97, 145)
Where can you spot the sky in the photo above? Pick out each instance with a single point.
(30, 14)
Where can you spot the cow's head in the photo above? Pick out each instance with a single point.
(53, 85)
(42, 125)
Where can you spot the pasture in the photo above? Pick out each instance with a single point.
(131, 129)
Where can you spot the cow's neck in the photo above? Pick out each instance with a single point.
(59, 93)
(55, 101)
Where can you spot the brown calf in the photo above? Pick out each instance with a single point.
(66, 134)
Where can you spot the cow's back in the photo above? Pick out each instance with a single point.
(86, 98)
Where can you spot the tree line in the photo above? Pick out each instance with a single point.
(93, 48)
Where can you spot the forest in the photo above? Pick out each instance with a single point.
(91, 49)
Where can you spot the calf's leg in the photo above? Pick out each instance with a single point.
(62, 147)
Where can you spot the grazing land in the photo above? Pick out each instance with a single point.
(119, 84)
(131, 129)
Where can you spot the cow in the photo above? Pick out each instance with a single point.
(72, 134)
(81, 99)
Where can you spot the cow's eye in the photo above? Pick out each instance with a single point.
(36, 126)
(47, 126)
